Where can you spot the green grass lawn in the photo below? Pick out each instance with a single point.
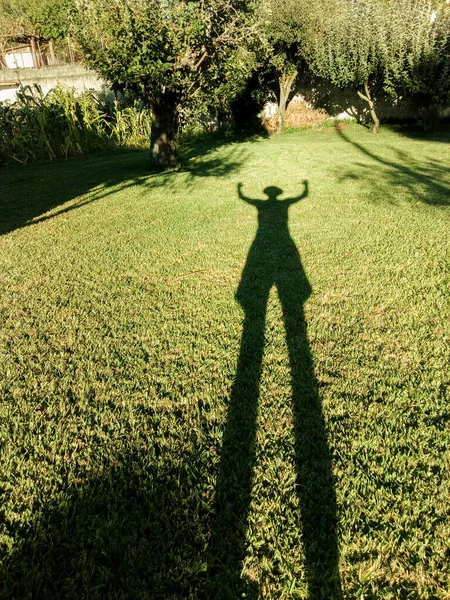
(195, 405)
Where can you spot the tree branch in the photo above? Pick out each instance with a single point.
(200, 60)
(361, 95)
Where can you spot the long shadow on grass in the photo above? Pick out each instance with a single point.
(426, 180)
(273, 260)
(31, 194)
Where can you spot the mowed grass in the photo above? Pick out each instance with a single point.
(120, 339)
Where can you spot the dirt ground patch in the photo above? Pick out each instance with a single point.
(298, 115)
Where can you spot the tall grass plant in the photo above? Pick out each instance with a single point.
(63, 123)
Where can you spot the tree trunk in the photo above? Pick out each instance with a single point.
(367, 97)
(165, 121)
(70, 51)
(286, 80)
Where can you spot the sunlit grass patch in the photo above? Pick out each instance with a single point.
(120, 337)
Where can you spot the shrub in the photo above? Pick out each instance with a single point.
(62, 124)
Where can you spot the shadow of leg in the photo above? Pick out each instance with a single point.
(315, 479)
(234, 484)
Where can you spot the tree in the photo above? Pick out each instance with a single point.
(376, 43)
(429, 78)
(51, 19)
(283, 25)
(25, 19)
(45, 18)
(15, 17)
(175, 55)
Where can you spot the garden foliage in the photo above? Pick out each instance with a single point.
(62, 124)
(176, 57)
(395, 45)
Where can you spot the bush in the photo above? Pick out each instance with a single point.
(62, 124)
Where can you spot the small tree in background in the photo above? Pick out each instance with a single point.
(283, 25)
(15, 19)
(377, 43)
(174, 55)
(51, 20)
(48, 19)
(289, 29)
(26, 19)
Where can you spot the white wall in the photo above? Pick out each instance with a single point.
(74, 75)
(8, 95)
(18, 60)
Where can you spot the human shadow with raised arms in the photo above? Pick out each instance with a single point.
(273, 260)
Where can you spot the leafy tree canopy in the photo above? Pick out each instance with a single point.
(178, 56)
(399, 45)
(48, 19)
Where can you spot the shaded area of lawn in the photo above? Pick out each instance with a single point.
(35, 193)
(439, 133)
(424, 180)
(134, 532)
(182, 417)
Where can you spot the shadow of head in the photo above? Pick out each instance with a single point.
(272, 192)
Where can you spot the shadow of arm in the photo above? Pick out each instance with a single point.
(298, 198)
(251, 201)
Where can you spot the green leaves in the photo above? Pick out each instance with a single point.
(45, 18)
(151, 47)
(62, 124)
(395, 42)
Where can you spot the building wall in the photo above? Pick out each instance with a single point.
(16, 60)
(73, 75)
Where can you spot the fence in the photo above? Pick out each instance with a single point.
(33, 52)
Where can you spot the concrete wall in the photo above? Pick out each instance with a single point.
(316, 94)
(345, 103)
(73, 75)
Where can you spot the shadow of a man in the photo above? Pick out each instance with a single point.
(273, 260)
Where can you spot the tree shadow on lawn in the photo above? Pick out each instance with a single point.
(143, 528)
(273, 260)
(427, 180)
(414, 131)
(34, 193)
(136, 532)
